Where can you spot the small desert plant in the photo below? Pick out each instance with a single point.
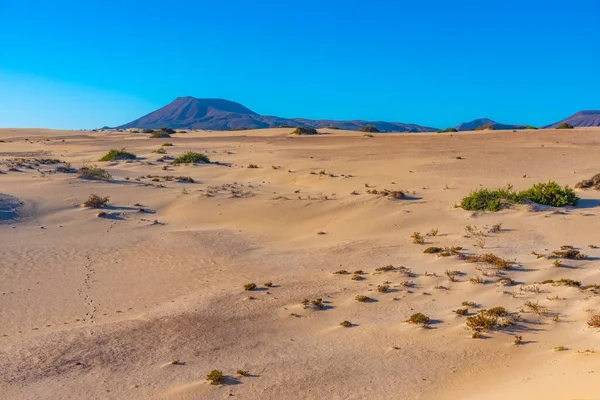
(565, 125)
(530, 127)
(447, 130)
(489, 200)
(486, 127)
(305, 130)
(536, 308)
(594, 321)
(95, 201)
(469, 304)
(432, 232)
(451, 275)
(386, 268)
(383, 288)
(419, 319)
(160, 150)
(252, 166)
(215, 377)
(268, 284)
(162, 133)
(167, 144)
(94, 173)
(570, 253)
(187, 179)
(114, 155)
(560, 348)
(242, 372)
(346, 324)
(433, 250)
(369, 135)
(417, 238)
(550, 194)
(462, 311)
(341, 272)
(480, 242)
(518, 339)
(361, 298)
(495, 228)
(191, 157)
(491, 259)
(476, 279)
(249, 286)
(476, 335)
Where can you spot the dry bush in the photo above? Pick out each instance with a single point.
(419, 319)
(95, 201)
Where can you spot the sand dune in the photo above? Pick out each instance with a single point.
(100, 308)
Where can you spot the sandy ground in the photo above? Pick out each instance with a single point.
(99, 308)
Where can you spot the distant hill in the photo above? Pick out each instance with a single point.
(582, 118)
(476, 123)
(219, 114)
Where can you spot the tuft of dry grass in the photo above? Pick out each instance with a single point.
(361, 298)
(250, 286)
(594, 321)
(215, 377)
(490, 259)
(417, 238)
(346, 324)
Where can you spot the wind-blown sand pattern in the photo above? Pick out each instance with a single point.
(148, 299)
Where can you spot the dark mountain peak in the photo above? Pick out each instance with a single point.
(219, 114)
(581, 118)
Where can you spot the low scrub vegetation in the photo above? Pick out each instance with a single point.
(550, 194)
(565, 125)
(593, 182)
(94, 173)
(215, 377)
(305, 130)
(447, 130)
(486, 127)
(191, 157)
(419, 319)
(95, 201)
(116, 155)
(369, 128)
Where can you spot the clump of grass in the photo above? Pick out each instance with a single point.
(461, 311)
(115, 155)
(186, 179)
(560, 348)
(167, 144)
(361, 298)
(160, 150)
(495, 228)
(450, 251)
(383, 288)
(268, 284)
(469, 304)
(192, 157)
(536, 308)
(162, 133)
(557, 263)
(477, 279)
(506, 281)
(433, 232)
(451, 275)
(215, 377)
(565, 282)
(95, 201)
(417, 238)
(346, 324)
(357, 278)
(242, 372)
(476, 335)
(94, 173)
(489, 319)
(250, 286)
(419, 319)
(252, 166)
(359, 272)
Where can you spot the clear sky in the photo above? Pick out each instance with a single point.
(90, 63)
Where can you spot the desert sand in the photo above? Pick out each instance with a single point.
(145, 301)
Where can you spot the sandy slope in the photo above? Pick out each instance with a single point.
(99, 307)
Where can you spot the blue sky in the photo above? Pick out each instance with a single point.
(85, 64)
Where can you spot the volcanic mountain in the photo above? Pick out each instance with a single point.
(218, 114)
(582, 118)
(476, 123)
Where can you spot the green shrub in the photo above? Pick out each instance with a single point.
(191, 157)
(550, 194)
(419, 319)
(490, 200)
(369, 128)
(147, 130)
(215, 377)
(305, 130)
(114, 155)
(162, 133)
(167, 144)
(564, 125)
